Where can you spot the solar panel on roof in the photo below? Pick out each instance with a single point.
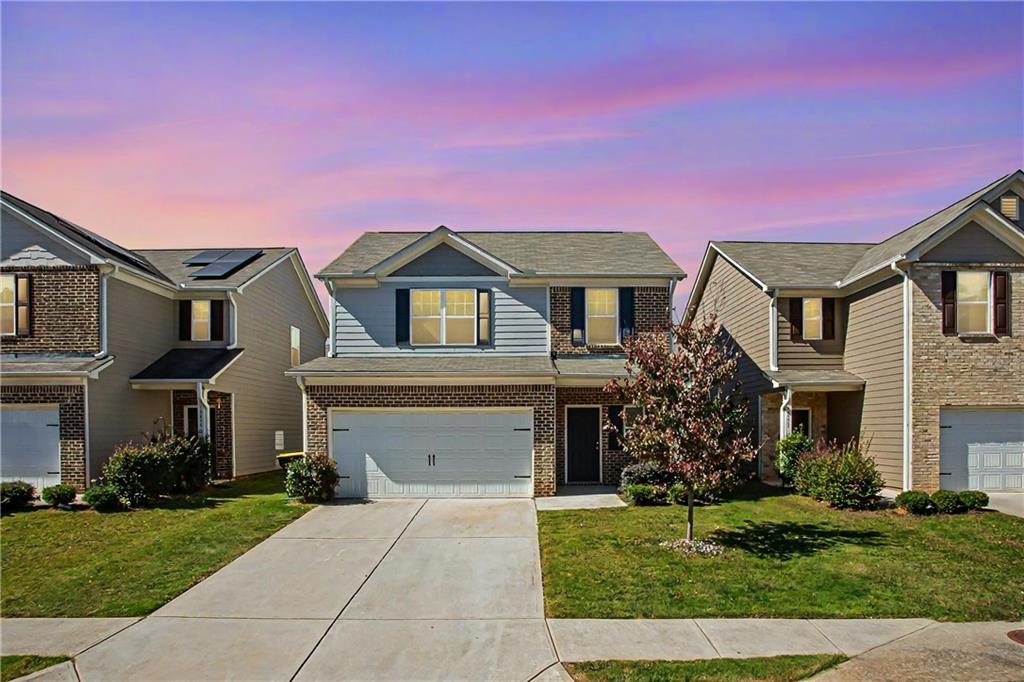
(228, 263)
(240, 255)
(207, 257)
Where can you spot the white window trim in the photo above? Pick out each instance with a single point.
(820, 318)
(209, 320)
(444, 318)
(184, 416)
(988, 306)
(586, 316)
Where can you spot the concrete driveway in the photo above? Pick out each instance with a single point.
(400, 590)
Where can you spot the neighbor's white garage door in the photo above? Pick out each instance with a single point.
(434, 453)
(982, 450)
(30, 445)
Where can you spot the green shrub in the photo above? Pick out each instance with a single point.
(644, 473)
(843, 476)
(191, 460)
(973, 499)
(102, 498)
(643, 495)
(676, 494)
(59, 494)
(915, 502)
(787, 453)
(947, 502)
(312, 478)
(139, 474)
(16, 494)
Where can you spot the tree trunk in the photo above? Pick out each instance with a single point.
(689, 514)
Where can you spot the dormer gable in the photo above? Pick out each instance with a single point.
(444, 260)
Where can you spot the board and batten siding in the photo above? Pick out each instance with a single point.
(265, 400)
(140, 328)
(365, 319)
(874, 352)
(823, 354)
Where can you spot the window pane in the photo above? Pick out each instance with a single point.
(6, 320)
(201, 320)
(812, 307)
(484, 333)
(7, 289)
(459, 330)
(295, 357)
(602, 301)
(426, 330)
(23, 291)
(812, 329)
(23, 320)
(460, 302)
(601, 330)
(972, 286)
(631, 413)
(972, 318)
(426, 302)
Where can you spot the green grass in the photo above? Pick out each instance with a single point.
(74, 564)
(786, 556)
(773, 669)
(13, 667)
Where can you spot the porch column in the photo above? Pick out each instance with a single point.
(786, 413)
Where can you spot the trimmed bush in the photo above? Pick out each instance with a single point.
(312, 478)
(947, 502)
(842, 476)
(643, 495)
(16, 494)
(139, 473)
(973, 500)
(191, 460)
(677, 494)
(102, 498)
(787, 453)
(644, 473)
(915, 502)
(59, 494)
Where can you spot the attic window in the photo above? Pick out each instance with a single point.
(1009, 206)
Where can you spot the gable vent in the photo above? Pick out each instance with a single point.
(1009, 206)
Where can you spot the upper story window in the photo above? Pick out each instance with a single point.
(975, 302)
(200, 320)
(15, 305)
(812, 327)
(1009, 206)
(443, 317)
(296, 346)
(602, 316)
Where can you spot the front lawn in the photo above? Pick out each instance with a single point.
(786, 556)
(74, 564)
(771, 669)
(13, 667)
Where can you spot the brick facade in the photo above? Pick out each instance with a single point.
(651, 309)
(952, 371)
(65, 311)
(612, 459)
(771, 403)
(540, 397)
(71, 403)
(220, 403)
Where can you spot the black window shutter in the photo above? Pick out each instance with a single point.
(1001, 299)
(615, 417)
(578, 315)
(217, 320)
(485, 315)
(796, 319)
(828, 319)
(184, 320)
(949, 302)
(401, 316)
(626, 314)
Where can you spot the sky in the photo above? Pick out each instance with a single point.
(300, 124)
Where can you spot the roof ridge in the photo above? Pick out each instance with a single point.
(766, 241)
(216, 248)
(509, 231)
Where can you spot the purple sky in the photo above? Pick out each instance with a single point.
(305, 124)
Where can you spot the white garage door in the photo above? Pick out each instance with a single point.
(982, 450)
(30, 445)
(434, 453)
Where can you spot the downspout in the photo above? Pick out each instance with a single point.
(302, 387)
(234, 321)
(203, 411)
(103, 312)
(786, 413)
(773, 332)
(671, 306)
(908, 358)
(333, 308)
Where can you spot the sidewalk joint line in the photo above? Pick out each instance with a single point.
(927, 625)
(543, 670)
(712, 644)
(822, 633)
(101, 641)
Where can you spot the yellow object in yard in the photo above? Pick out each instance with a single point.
(286, 458)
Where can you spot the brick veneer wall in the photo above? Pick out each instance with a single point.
(65, 311)
(612, 460)
(71, 403)
(221, 404)
(770, 404)
(651, 310)
(541, 397)
(950, 371)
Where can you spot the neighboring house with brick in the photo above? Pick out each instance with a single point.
(915, 344)
(99, 344)
(472, 363)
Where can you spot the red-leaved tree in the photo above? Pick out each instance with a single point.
(692, 415)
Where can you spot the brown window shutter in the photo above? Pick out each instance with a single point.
(216, 320)
(796, 318)
(1001, 299)
(184, 320)
(949, 302)
(828, 319)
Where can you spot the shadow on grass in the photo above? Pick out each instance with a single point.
(787, 539)
(755, 490)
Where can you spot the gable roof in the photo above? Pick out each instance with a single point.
(565, 253)
(171, 262)
(793, 264)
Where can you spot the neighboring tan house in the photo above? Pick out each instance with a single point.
(915, 343)
(100, 344)
(472, 363)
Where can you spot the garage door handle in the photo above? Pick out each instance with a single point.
(52, 473)
(527, 476)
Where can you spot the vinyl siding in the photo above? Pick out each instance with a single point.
(141, 328)
(365, 319)
(874, 352)
(18, 234)
(972, 244)
(443, 261)
(265, 400)
(810, 354)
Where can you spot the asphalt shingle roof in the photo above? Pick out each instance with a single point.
(428, 365)
(188, 364)
(171, 263)
(794, 264)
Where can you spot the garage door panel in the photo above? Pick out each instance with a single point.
(982, 449)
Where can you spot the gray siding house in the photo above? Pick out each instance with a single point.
(100, 344)
(914, 344)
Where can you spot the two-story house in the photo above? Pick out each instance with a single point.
(914, 344)
(472, 363)
(99, 344)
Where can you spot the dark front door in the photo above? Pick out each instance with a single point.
(583, 444)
